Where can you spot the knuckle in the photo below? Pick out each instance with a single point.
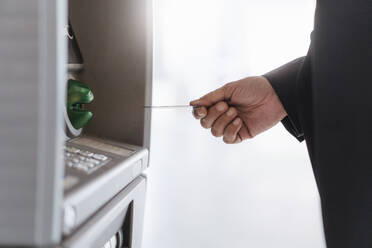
(221, 106)
(224, 104)
(232, 112)
(235, 111)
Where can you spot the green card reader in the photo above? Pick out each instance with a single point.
(78, 94)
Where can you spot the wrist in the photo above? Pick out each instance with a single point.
(277, 105)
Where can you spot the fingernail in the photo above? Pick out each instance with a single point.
(220, 107)
(199, 113)
(237, 122)
(230, 112)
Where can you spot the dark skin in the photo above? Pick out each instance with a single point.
(240, 110)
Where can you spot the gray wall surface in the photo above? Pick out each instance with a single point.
(201, 192)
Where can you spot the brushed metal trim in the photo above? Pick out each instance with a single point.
(105, 223)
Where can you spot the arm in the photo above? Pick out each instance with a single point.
(284, 81)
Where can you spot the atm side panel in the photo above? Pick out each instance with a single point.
(31, 69)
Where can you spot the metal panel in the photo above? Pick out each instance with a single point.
(31, 76)
(115, 41)
(97, 189)
(106, 222)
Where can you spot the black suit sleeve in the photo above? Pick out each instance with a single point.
(284, 81)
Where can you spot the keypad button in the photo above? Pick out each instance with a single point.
(72, 149)
(100, 157)
(86, 153)
(83, 160)
(93, 161)
(91, 166)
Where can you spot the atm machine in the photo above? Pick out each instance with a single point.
(75, 78)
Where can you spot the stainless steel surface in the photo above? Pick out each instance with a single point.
(32, 72)
(93, 190)
(107, 221)
(122, 149)
(115, 41)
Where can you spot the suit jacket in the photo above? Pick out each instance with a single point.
(328, 97)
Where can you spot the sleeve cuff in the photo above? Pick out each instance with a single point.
(284, 82)
(291, 128)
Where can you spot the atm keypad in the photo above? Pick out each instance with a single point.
(84, 160)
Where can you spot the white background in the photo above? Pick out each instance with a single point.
(201, 192)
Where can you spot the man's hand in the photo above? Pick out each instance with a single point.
(240, 110)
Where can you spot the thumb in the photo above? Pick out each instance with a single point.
(211, 98)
